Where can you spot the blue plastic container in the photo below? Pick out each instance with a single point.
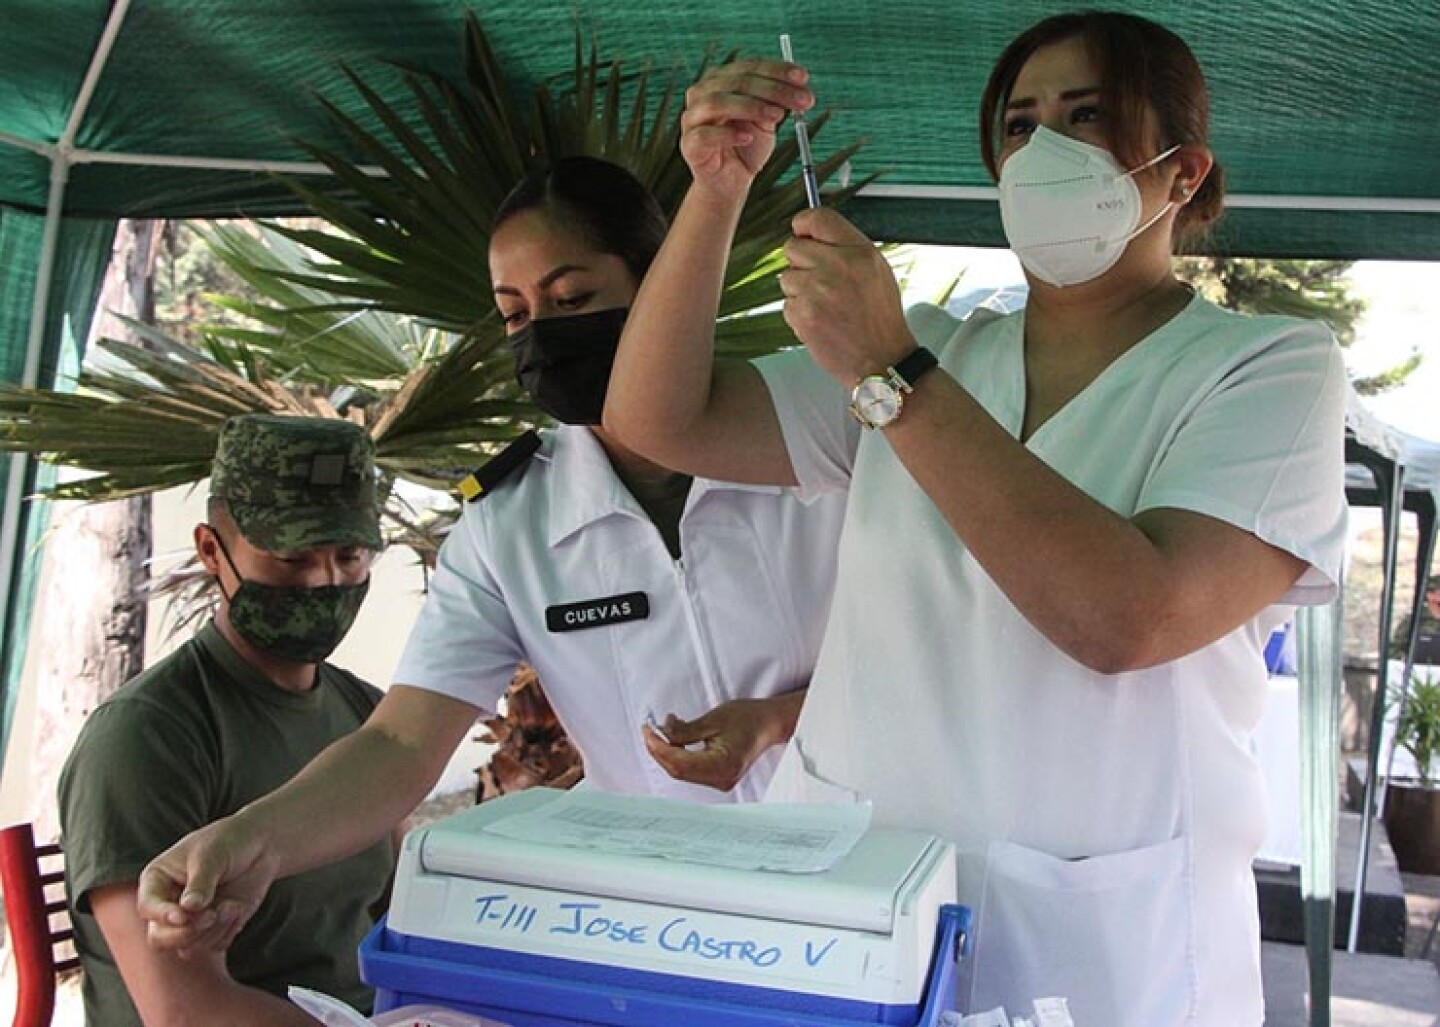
(1280, 651)
(537, 991)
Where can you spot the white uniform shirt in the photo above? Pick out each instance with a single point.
(560, 566)
(1106, 824)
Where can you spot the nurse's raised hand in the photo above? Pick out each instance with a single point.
(841, 297)
(727, 132)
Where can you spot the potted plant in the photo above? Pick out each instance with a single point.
(1412, 805)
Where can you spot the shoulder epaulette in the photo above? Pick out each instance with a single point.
(480, 482)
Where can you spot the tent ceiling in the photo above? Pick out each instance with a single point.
(1316, 105)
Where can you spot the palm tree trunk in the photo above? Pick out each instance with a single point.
(89, 634)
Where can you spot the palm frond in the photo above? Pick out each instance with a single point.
(147, 420)
(415, 241)
(308, 333)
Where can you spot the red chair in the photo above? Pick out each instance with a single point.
(29, 875)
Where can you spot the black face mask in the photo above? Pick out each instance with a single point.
(564, 362)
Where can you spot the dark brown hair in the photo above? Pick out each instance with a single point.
(606, 205)
(1143, 67)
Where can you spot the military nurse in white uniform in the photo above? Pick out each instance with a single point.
(634, 591)
(1070, 530)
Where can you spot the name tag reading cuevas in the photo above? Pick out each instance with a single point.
(597, 613)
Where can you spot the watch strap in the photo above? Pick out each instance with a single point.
(910, 368)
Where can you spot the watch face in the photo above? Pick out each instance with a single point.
(875, 401)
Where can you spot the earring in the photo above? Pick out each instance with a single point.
(1185, 192)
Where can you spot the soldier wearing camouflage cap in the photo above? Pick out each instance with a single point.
(295, 486)
(292, 527)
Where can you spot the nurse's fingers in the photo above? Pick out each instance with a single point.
(689, 732)
(768, 82)
(825, 225)
(211, 930)
(162, 895)
(714, 766)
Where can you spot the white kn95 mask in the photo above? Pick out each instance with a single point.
(1069, 208)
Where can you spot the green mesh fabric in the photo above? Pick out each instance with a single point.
(1311, 98)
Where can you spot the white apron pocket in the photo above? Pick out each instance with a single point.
(1110, 933)
(796, 780)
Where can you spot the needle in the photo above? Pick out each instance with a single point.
(655, 726)
(802, 137)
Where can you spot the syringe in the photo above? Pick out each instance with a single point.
(802, 137)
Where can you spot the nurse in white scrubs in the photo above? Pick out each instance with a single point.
(1070, 530)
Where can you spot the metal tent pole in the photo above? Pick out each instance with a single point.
(1261, 201)
(1424, 507)
(1391, 487)
(29, 376)
(161, 160)
(1319, 635)
(59, 156)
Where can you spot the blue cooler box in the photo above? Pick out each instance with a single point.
(534, 935)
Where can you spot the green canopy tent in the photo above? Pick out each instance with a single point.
(1323, 118)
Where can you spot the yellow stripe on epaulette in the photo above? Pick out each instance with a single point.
(470, 488)
(482, 481)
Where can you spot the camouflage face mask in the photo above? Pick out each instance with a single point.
(296, 623)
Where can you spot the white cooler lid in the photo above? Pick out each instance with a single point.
(861, 892)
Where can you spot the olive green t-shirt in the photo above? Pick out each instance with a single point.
(1400, 637)
(188, 741)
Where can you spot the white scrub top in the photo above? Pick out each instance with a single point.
(560, 567)
(1106, 823)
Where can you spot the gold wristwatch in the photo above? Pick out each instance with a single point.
(876, 400)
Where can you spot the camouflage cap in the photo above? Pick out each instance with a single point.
(297, 482)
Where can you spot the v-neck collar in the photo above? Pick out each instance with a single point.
(1014, 421)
